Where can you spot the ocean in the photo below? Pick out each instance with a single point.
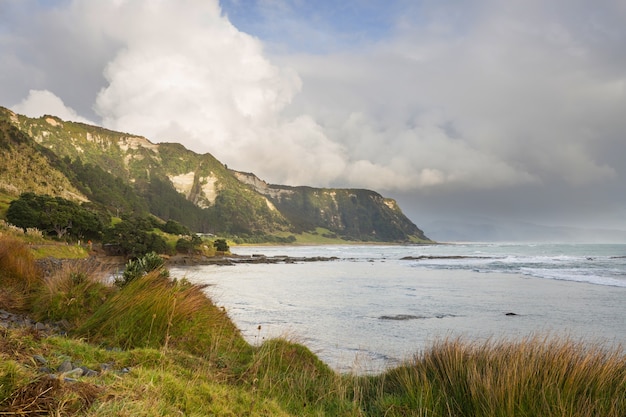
(375, 306)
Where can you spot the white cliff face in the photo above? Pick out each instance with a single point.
(135, 142)
(186, 183)
(261, 186)
(209, 190)
(251, 179)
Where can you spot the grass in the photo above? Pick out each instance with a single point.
(535, 377)
(72, 293)
(19, 276)
(169, 350)
(59, 251)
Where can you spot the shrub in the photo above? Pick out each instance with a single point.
(139, 267)
(221, 245)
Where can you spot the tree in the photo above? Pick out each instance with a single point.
(175, 228)
(221, 245)
(134, 237)
(188, 244)
(54, 215)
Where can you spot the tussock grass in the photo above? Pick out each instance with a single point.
(292, 374)
(72, 293)
(535, 377)
(155, 312)
(19, 276)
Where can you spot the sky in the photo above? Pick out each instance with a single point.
(462, 110)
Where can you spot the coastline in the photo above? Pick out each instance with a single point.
(339, 310)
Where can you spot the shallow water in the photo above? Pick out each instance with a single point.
(373, 307)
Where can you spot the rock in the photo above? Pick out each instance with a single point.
(65, 366)
(74, 373)
(40, 359)
(511, 314)
(63, 324)
(40, 326)
(88, 372)
(106, 367)
(400, 317)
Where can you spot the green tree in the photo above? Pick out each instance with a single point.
(188, 244)
(175, 228)
(134, 237)
(54, 215)
(221, 245)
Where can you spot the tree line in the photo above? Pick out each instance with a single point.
(133, 236)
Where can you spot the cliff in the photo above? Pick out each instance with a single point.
(124, 173)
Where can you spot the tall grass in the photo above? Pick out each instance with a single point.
(156, 312)
(290, 373)
(532, 377)
(19, 276)
(72, 293)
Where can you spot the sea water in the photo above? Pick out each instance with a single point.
(374, 306)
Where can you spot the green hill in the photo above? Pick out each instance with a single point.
(126, 173)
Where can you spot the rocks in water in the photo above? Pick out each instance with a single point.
(400, 317)
(511, 314)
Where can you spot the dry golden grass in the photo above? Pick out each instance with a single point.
(19, 276)
(538, 376)
(72, 293)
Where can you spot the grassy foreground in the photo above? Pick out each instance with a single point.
(161, 347)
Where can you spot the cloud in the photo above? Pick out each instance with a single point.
(186, 74)
(521, 94)
(438, 99)
(41, 102)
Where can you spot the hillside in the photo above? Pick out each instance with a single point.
(127, 173)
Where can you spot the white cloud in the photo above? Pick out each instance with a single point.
(487, 97)
(41, 102)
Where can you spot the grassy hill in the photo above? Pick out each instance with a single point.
(127, 173)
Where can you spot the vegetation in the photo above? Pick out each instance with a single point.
(134, 237)
(161, 347)
(19, 277)
(55, 216)
(126, 175)
(137, 268)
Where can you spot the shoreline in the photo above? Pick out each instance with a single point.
(423, 306)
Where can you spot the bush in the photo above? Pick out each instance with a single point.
(221, 245)
(139, 267)
(134, 238)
